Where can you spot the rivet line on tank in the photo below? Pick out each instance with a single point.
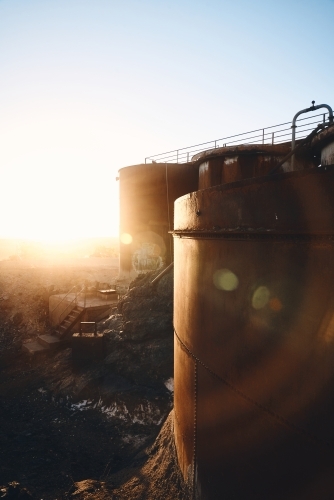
(195, 430)
(305, 434)
(256, 235)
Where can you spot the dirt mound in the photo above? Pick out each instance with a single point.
(142, 329)
(154, 475)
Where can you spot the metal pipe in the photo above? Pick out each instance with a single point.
(162, 274)
(294, 126)
(299, 145)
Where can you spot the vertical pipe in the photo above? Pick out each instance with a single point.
(294, 126)
(263, 136)
(272, 138)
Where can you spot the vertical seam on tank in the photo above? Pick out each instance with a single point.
(195, 428)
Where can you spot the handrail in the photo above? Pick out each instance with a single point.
(60, 319)
(274, 134)
(65, 298)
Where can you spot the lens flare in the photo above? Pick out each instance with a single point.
(126, 238)
(275, 304)
(226, 280)
(260, 297)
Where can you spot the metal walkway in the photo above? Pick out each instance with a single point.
(275, 134)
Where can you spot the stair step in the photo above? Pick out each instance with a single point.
(34, 347)
(50, 341)
(73, 314)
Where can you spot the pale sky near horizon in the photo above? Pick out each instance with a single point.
(88, 87)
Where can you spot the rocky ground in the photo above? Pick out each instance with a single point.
(88, 433)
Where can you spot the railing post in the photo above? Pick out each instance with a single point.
(215, 144)
(272, 138)
(177, 156)
(188, 157)
(324, 117)
(263, 136)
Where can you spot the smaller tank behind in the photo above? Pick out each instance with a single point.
(147, 195)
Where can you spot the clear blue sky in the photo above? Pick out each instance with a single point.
(87, 87)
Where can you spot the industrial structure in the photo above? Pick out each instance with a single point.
(253, 307)
(147, 195)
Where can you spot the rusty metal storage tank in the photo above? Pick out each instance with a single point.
(234, 163)
(147, 194)
(254, 335)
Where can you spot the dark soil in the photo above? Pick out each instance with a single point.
(89, 432)
(153, 474)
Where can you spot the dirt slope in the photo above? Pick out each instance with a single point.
(58, 426)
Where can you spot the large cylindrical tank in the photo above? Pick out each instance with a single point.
(254, 337)
(147, 195)
(234, 163)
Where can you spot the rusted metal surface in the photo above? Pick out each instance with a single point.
(324, 142)
(147, 194)
(294, 202)
(235, 163)
(254, 337)
(185, 401)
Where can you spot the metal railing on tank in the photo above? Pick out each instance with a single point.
(275, 134)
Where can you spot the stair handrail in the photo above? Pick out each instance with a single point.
(63, 299)
(65, 313)
(75, 299)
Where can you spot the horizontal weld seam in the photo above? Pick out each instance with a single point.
(298, 430)
(234, 235)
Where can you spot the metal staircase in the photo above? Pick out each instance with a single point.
(60, 335)
(66, 325)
